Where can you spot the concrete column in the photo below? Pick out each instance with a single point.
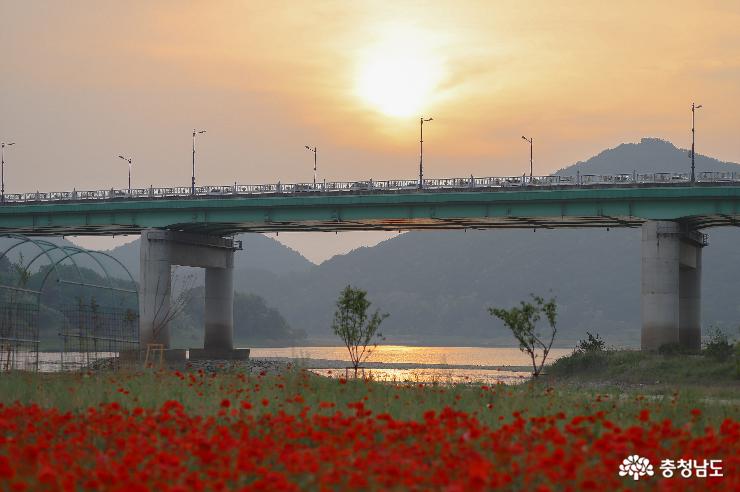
(660, 284)
(689, 329)
(219, 309)
(155, 285)
(160, 249)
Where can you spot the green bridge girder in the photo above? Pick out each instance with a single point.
(698, 206)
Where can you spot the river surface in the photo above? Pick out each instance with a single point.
(399, 363)
(419, 364)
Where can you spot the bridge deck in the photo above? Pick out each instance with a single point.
(528, 205)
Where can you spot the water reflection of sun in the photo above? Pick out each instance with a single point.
(398, 75)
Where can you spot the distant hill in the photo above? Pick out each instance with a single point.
(649, 155)
(437, 285)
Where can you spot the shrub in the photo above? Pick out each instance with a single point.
(592, 344)
(580, 363)
(718, 346)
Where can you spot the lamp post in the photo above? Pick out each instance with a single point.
(127, 159)
(422, 120)
(530, 140)
(192, 183)
(694, 107)
(314, 163)
(2, 169)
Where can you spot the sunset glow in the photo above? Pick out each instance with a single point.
(399, 76)
(353, 79)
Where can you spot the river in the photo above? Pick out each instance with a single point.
(419, 364)
(401, 363)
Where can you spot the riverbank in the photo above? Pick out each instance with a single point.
(650, 373)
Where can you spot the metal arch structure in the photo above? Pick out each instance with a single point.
(43, 246)
(87, 331)
(77, 251)
(46, 248)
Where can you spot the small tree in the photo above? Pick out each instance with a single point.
(522, 320)
(352, 325)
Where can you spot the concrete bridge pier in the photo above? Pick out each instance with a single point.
(160, 250)
(671, 286)
(155, 290)
(219, 309)
(689, 287)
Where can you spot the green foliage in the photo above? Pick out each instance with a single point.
(592, 344)
(590, 354)
(522, 322)
(352, 325)
(635, 367)
(580, 363)
(718, 346)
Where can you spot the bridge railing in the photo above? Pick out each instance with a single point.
(388, 186)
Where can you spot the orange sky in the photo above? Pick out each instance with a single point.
(84, 81)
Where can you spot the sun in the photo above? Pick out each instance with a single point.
(399, 75)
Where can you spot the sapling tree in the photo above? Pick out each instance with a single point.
(522, 321)
(353, 326)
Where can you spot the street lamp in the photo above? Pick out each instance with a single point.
(2, 168)
(421, 149)
(694, 107)
(127, 159)
(314, 163)
(192, 183)
(530, 140)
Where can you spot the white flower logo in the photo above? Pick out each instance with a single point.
(636, 467)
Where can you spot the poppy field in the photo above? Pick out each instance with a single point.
(296, 431)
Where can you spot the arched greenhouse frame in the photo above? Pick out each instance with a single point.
(63, 307)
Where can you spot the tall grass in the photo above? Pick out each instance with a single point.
(635, 367)
(297, 390)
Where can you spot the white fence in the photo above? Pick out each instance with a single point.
(390, 186)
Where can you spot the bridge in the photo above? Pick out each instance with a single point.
(455, 203)
(191, 227)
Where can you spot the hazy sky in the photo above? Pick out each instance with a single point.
(81, 82)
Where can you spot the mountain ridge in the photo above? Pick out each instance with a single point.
(649, 155)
